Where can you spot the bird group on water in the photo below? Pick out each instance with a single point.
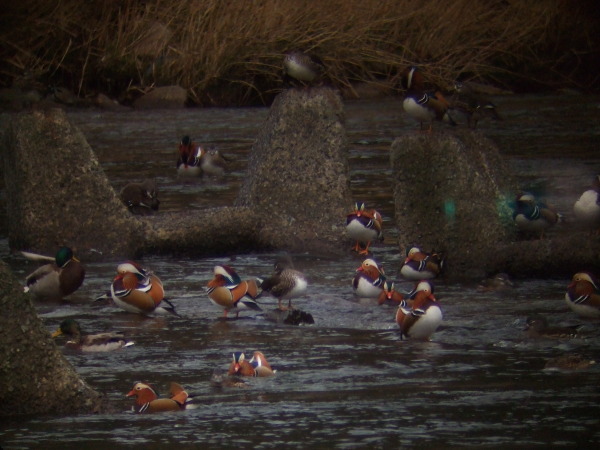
(418, 313)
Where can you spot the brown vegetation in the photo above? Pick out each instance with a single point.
(230, 51)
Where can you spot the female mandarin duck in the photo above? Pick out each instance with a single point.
(256, 367)
(420, 265)
(56, 280)
(140, 198)
(422, 106)
(389, 294)
(194, 160)
(535, 217)
(583, 295)
(369, 279)
(537, 326)
(469, 104)
(419, 317)
(302, 67)
(227, 291)
(147, 401)
(364, 226)
(587, 207)
(286, 283)
(139, 290)
(101, 342)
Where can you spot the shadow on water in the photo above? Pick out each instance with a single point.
(349, 380)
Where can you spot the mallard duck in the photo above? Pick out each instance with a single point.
(56, 280)
(100, 342)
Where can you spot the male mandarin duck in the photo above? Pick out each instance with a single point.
(194, 160)
(468, 103)
(535, 217)
(139, 290)
(419, 265)
(286, 283)
(140, 198)
(419, 317)
(389, 294)
(583, 295)
(56, 280)
(256, 367)
(537, 326)
(101, 342)
(369, 279)
(147, 401)
(227, 291)
(302, 67)
(420, 105)
(587, 207)
(364, 226)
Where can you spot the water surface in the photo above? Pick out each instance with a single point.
(349, 380)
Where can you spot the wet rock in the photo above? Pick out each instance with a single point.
(290, 316)
(35, 377)
(298, 175)
(165, 97)
(451, 194)
(57, 193)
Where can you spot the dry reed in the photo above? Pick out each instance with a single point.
(230, 51)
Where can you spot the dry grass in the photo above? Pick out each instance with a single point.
(229, 51)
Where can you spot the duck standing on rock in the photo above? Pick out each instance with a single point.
(534, 217)
(420, 105)
(286, 283)
(100, 342)
(364, 226)
(54, 281)
(303, 68)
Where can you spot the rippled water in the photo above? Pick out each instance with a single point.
(348, 380)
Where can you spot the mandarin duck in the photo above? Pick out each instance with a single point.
(194, 160)
(469, 104)
(286, 283)
(389, 294)
(227, 291)
(497, 283)
(532, 216)
(257, 366)
(419, 265)
(583, 295)
(364, 226)
(140, 198)
(369, 279)
(100, 342)
(147, 401)
(537, 326)
(302, 67)
(419, 317)
(55, 280)
(587, 207)
(138, 290)
(420, 105)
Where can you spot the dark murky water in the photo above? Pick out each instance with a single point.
(348, 380)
